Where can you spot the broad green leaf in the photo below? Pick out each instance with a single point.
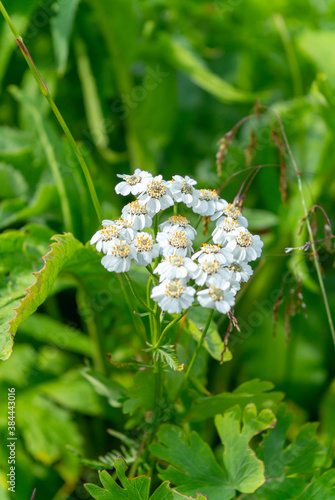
(245, 471)
(18, 299)
(193, 467)
(213, 343)
(132, 489)
(180, 55)
(281, 489)
(12, 182)
(322, 487)
(255, 391)
(105, 387)
(61, 29)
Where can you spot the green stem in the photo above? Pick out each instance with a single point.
(137, 297)
(197, 349)
(198, 222)
(138, 323)
(45, 91)
(173, 322)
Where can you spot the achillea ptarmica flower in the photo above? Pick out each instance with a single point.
(214, 252)
(118, 258)
(211, 267)
(103, 238)
(174, 267)
(133, 184)
(143, 250)
(240, 271)
(183, 191)
(126, 229)
(222, 233)
(218, 295)
(230, 210)
(178, 222)
(245, 246)
(157, 195)
(176, 242)
(209, 203)
(137, 213)
(173, 296)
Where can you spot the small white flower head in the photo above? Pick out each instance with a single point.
(224, 256)
(210, 267)
(240, 271)
(133, 184)
(178, 222)
(118, 258)
(218, 295)
(125, 228)
(143, 250)
(222, 233)
(183, 191)
(245, 246)
(137, 213)
(209, 203)
(174, 267)
(173, 296)
(103, 238)
(230, 210)
(175, 243)
(157, 195)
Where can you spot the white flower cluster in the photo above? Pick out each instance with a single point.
(216, 269)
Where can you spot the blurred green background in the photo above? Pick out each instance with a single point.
(155, 84)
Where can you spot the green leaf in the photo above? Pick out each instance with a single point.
(180, 55)
(196, 318)
(245, 470)
(105, 387)
(322, 487)
(18, 299)
(255, 391)
(132, 489)
(193, 466)
(140, 395)
(12, 182)
(61, 29)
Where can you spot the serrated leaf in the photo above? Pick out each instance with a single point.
(245, 470)
(255, 391)
(132, 489)
(322, 487)
(16, 309)
(193, 467)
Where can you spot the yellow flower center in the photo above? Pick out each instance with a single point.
(244, 239)
(179, 239)
(135, 208)
(178, 219)
(109, 232)
(229, 225)
(210, 267)
(156, 189)
(143, 243)
(174, 289)
(132, 179)
(232, 211)
(175, 260)
(208, 194)
(216, 293)
(210, 248)
(120, 249)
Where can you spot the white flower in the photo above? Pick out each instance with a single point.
(125, 228)
(137, 213)
(211, 267)
(175, 267)
(173, 296)
(240, 271)
(143, 250)
(178, 222)
(230, 210)
(176, 242)
(245, 246)
(183, 191)
(157, 195)
(222, 233)
(209, 203)
(133, 184)
(118, 258)
(223, 255)
(104, 238)
(218, 296)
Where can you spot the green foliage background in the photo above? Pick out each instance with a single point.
(155, 84)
